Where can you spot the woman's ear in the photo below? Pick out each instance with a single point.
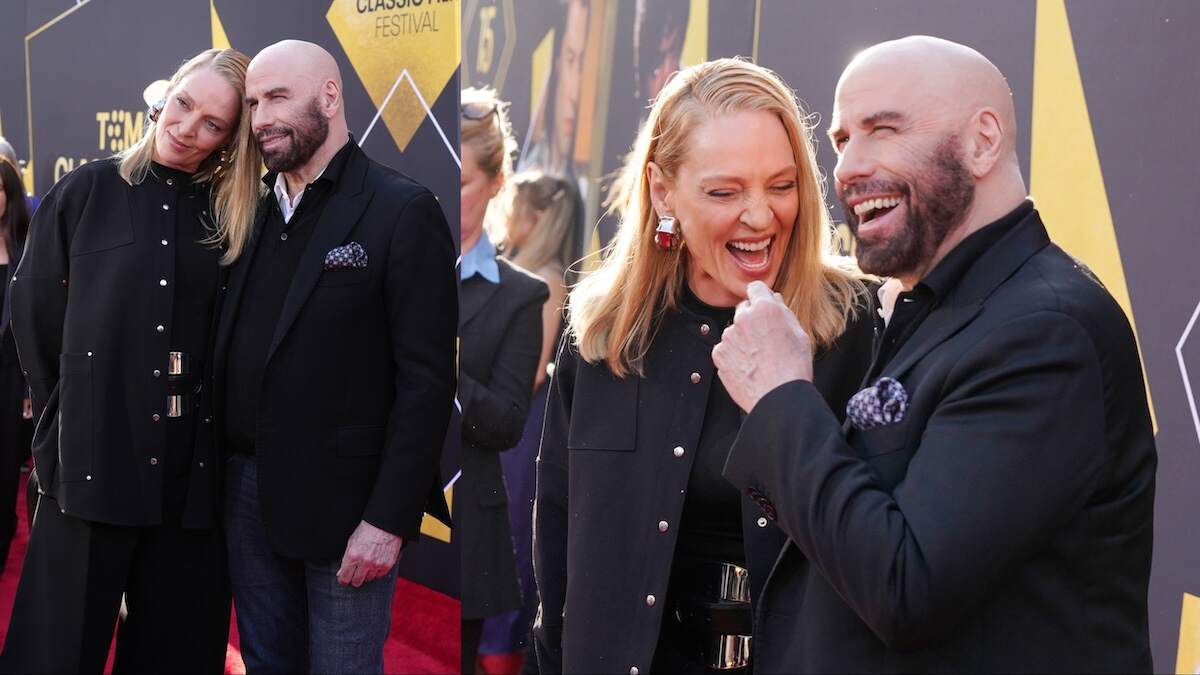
(660, 190)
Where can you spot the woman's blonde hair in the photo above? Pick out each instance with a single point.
(551, 243)
(489, 133)
(616, 310)
(235, 180)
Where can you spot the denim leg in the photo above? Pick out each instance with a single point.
(268, 591)
(347, 625)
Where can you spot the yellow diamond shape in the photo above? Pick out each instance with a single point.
(383, 43)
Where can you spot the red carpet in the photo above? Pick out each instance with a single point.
(425, 624)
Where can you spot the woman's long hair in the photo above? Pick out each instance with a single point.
(14, 224)
(617, 309)
(559, 209)
(235, 182)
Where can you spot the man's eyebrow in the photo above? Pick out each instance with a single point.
(269, 93)
(871, 120)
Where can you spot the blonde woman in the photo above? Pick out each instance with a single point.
(500, 310)
(537, 232)
(647, 559)
(113, 306)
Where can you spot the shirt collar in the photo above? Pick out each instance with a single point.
(950, 271)
(480, 260)
(332, 173)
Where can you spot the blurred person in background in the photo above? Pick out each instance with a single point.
(537, 233)
(113, 306)
(551, 142)
(16, 426)
(8, 152)
(500, 320)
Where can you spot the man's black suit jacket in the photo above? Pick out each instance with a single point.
(359, 380)
(501, 345)
(1004, 525)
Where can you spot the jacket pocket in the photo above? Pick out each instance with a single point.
(347, 277)
(95, 236)
(76, 417)
(882, 440)
(360, 441)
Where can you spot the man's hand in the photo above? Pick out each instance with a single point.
(370, 554)
(764, 348)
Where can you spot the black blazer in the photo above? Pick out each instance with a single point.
(84, 317)
(501, 344)
(608, 472)
(1004, 525)
(359, 380)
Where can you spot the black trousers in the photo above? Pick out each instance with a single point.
(175, 588)
(16, 433)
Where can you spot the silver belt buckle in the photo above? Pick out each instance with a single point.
(177, 364)
(727, 652)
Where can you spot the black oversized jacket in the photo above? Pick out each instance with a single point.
(501, 345)
(88, 317)
(1003, 525)
(359, 379)
(609, 471)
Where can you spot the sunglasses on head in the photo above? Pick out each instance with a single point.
(478, 111)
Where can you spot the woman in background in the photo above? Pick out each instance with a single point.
(500, 329)
(16, 426)
(543, 212)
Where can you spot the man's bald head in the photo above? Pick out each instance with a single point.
(954, 80)
(925, 132)
(294, 90)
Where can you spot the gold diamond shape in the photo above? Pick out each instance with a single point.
(422, 38)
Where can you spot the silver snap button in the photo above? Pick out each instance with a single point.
(678, 451)
(159, 328)
(170, 181)
(762, 522)
(162, 282)
(663, 526)
(87, 477)
(166, 207)
(164, 242)
(89, 355)
(283, 236)
(157, 372)
(650, 600)
(634, 671)
(201, 465)
(695, 378)
(207, 420)
(704, 329)
(153, 461)
(155, 417)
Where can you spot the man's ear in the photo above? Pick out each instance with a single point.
(987, 142)
(660, 190)
(331, 98)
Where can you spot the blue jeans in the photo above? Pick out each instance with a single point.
(292, 615)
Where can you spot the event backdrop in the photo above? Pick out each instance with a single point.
(72, 76)
(1106, 93)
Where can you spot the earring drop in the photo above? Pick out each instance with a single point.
(665, 234)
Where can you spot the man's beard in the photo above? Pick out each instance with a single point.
(937, 200)
(306, 136)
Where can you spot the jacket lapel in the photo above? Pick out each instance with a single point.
(985, 276)
(473, 295)
(338, 217)
(236, 285)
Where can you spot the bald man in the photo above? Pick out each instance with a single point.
(335, 368)
(988, 506)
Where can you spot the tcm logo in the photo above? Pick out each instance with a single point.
(119, 129)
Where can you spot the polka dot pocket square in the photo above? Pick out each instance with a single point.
(881, 404)
(352, 256)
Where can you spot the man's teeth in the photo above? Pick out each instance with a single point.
(870, 204)
(746, 246)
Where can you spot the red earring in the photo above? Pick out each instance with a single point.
(665, 234)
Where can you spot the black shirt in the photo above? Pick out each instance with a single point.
(272, 266)
(913, 306)
(711, 525)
